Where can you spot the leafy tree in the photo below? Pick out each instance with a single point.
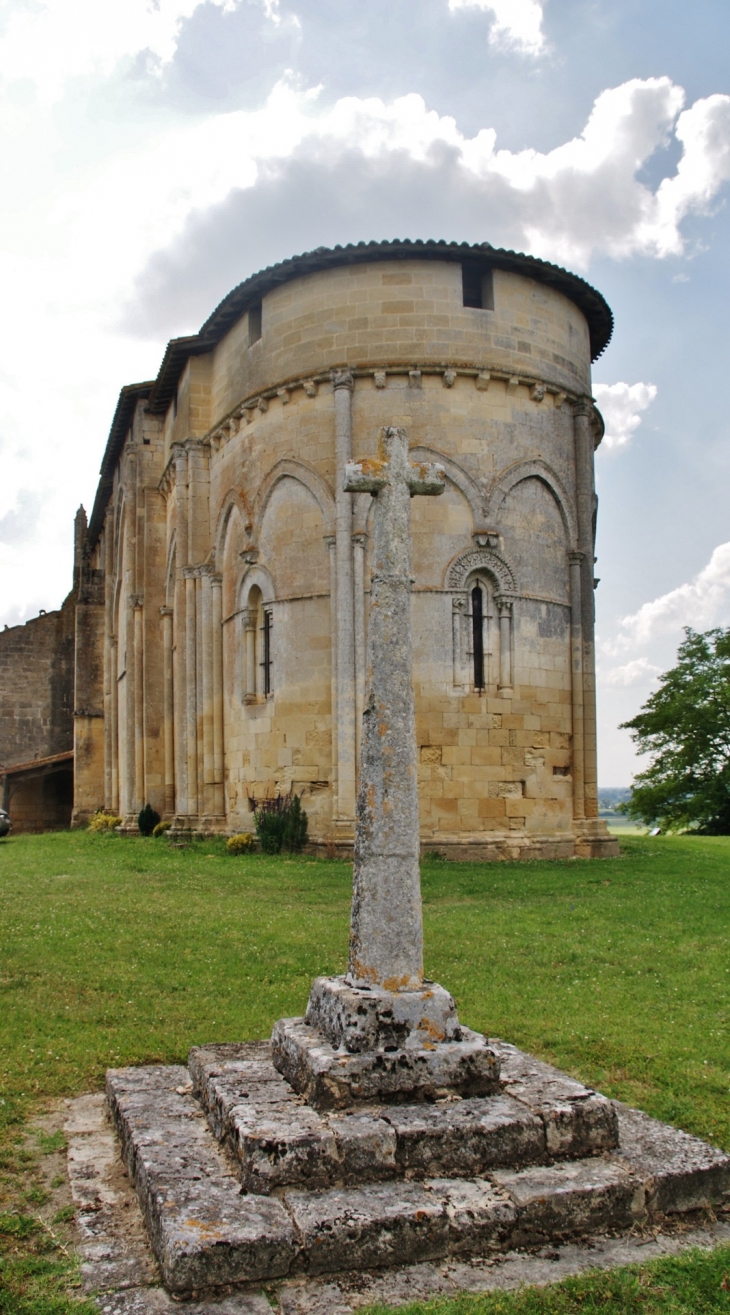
(685, 724)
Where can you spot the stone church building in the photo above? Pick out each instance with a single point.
(221, 589)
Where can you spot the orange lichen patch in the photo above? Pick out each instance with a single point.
(432, 1030)
(403, 983)
(373, 468)
(360, 971)
(204, 1230)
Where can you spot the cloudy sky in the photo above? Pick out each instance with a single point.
(156, 152)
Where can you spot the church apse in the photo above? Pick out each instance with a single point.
(236, 571)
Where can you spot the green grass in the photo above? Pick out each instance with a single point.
(117, 951)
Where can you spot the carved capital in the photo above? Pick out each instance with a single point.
(166, 611)
(342, 379)
(583, 408)
(576, 558)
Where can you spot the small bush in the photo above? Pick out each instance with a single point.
(161, 828)
(103, 821)
(147, 820)
(241, 844)
(281, 823)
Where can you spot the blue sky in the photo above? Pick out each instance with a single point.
(156, 154)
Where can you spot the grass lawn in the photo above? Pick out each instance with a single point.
(121, 951)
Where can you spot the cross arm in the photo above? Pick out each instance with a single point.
(425, 477)
(365, 476)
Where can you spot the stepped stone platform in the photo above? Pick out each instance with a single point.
(241, 1181)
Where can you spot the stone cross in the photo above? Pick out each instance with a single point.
(386, 933)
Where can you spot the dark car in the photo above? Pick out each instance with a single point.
(5, 823)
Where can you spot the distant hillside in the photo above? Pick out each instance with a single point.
(611, 795)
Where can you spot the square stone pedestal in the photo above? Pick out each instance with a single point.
(242, 1182)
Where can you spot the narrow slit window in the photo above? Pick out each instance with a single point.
(265, 663)
(477, 285)
(477, 621)
(254, 322)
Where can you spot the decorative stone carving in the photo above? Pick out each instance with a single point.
(414, 378)
(283, 396)
(342, 379)
(380, 379)
(483, 380)
(537, 392)
(449, 378)
(481, 559)
(310, 387)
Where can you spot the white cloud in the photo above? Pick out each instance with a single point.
(517, 23)
(631, 673)
(621, 406)
(86, 220)
(701, 603)
(50, 44)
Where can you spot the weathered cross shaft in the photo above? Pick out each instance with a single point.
(382, 1032)
(386, 936)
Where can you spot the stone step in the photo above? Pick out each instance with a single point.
(279, 1141)
(204, 1233)
(207, 1233)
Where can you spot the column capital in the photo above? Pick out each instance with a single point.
(248, 616)
(359, 539)
(166, 611)
(583, 408)
(330, 540)
(505, 602)
(342, 379)
(136, 602)
(576, 558)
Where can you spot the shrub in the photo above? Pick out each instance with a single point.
(241, 844)
(281, 823)
(103, 821)
(161, 828)
(147, 820)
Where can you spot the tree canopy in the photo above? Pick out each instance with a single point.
(685, 725)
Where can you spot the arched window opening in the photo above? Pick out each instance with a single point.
(258, 631)
(477, 626)
(476, 632)
(265, 663)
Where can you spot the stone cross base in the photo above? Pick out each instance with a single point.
(241, 1182)
(362, 1018)
(330, 1079)
(363, 1043)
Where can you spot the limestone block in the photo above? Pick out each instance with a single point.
(578, 1196)
(329, 1079)
(363, 1018)
(203, 1232)
(465, 1137)
(388, 1224)
(680, 1172)
(578, 1121)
